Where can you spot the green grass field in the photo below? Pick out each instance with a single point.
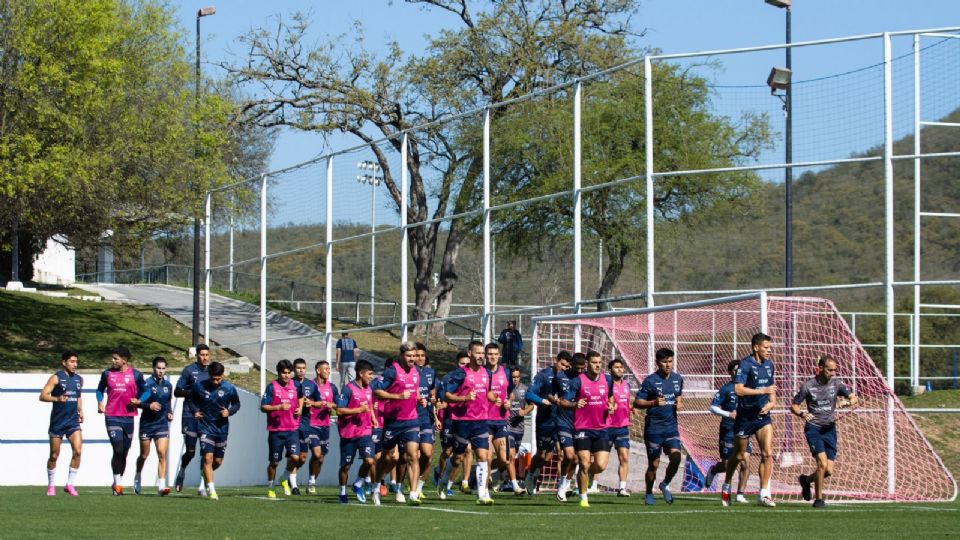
(246, 513)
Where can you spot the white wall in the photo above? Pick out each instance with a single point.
(24, 444)
(56, 264)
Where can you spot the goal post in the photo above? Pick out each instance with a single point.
(883, 456)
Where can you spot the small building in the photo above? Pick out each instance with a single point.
(56, 264)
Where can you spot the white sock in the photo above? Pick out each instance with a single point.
(211, 488)
(270, 483)
(623, 484)
(765, 493)
(482, 479)
(726, 488)
(117, 479)
(593, 485)
(449, 484)
(583, 496)
(202, 481)
(419, 486)
(367, 479)
(293, 480)
(51, 475)
(516, 485)
(71, 476)
(343, 490)
(312, 481)
(162, 483)
(376, 488)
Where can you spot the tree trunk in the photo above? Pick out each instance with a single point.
(617, 255)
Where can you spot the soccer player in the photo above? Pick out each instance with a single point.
(822, 394)
(618, 428)
(355, 421)
(399, 390)
(467, 393)
(756, 397)
(563, 418)
(498, 414)
(304, 386)
(189, 377)
(426, 414)
(63, 389)
(539, 393)
(215, 400)
(590, 396)
(319, 399)
(155, 424)
(282, 405)
(724, 405)
(661, 393)
(122, 384)
(446, 467)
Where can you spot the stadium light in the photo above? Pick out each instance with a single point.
(780, 79)
(374, 180)
(195, 338)
(203, 12)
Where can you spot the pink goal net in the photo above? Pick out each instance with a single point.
(883, 456)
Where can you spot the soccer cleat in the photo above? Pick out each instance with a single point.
(485, 501)
(383, 490)
(450, 493)
(436, 476)
(708, 481)
(343, 498)
(584, 503)
(295, 491)
(441, 493)
(741, 498)
(367, 488)
(213, 496)
(805, 487)
(72, 491)
(562, 495)
(311, 490)
(400, 498)
(766, 501)
(163, 492)
(819, 503)
(593, 489)
(528, 483)
(415, 499)
(725, 498)
(117, 490)
(51, 491)
(271, 494)
(358, 493)
(201, 491)
(376, 497)
(667, 496)
(648, 500)
(136, 484)
(623, 492)
(178, 483)
(286, 487)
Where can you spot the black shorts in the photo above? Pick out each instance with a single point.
(591, 440)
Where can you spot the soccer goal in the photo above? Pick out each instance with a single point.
(883, 456)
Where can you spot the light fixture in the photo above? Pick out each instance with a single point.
(779, 79)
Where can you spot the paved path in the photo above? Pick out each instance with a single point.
(234, 325)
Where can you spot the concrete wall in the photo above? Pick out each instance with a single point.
(24, 444)
(56, 265)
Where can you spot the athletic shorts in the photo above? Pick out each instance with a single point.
(280, 441)
(213, 444)
(545, 438)
(470, 432)
(563, 436)
(314, 436)
(661, 442)
(514, 440)
(377, 436)
(591, 440)
(153, 432)
(188, 426)
(619, 436)
(427, 434)
(120, 431)
(350, 448)
(745, 428)
(498, 429)
(400, 433)
(446, 434)
(822, 439)
(727, 448)
(63, 431)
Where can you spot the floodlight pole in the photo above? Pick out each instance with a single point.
(195, 337)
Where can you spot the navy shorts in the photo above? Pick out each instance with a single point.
(744, 427)
(400, 433)
(188, 426)
(153, 432)
(822, 439)
(350, 448)
(64, 431)
(727, 448)
(661, 442)
(213, 444)
(514, 440)
(472, 432)
(377, 436)
(619, 436)
(564, 437)
(545, 438)
(498, 429)
(120, 431)
(315, 436)
(591, 440)
(446, 435)
(427, 435)
(280, 441)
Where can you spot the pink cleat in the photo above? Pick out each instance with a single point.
(72, 491)
(51, 491)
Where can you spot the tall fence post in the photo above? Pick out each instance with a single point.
(263, 283)
(485, 321)
(577, 209)
(649, 195)
(206, 268)
(328, 263)
(888, 276)
(404, 249)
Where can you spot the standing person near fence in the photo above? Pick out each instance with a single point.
(512, 343)
(63, 390)
(347, 356)
(823, 395)
(117, 394)
(155, 424)
(189, 377)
